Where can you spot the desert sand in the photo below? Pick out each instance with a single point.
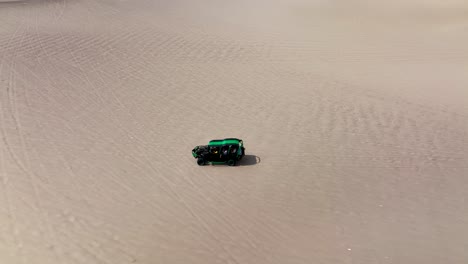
(354, 115)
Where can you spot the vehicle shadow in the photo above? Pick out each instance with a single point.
(249, 160)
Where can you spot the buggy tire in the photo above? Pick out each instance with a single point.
(231, 162)
(201, 161)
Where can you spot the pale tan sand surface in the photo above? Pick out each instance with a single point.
(354, 115)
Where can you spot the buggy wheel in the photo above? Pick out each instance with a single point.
(200, 161)
(231, 162)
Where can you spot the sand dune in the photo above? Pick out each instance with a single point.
(354, 116)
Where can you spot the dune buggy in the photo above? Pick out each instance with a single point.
(220, 151)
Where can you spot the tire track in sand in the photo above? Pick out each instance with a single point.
(5, 179)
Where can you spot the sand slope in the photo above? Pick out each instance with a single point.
(354, 117)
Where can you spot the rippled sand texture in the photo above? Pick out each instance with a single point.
(354, 116)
